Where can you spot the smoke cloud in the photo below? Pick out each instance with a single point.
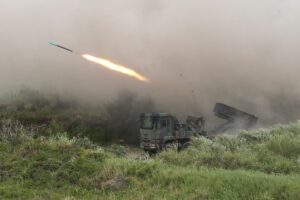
(196, 53)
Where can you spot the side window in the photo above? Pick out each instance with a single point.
(177, 127)
(165, 123)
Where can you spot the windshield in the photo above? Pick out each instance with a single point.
(147, 123)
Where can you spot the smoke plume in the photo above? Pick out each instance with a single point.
(196, 53)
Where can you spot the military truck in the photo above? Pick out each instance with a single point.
(160, 131)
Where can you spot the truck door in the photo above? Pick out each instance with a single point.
(165, 129)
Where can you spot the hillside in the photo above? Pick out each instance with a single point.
(102, 122)
(263, 164)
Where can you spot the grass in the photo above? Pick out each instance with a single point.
(272, 151)
(102, 122)
(263, 164)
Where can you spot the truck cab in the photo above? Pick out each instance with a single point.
(160, 131)
(156, 129)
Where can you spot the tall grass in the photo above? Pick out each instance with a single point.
(103, 122)
(252, 165)
(275, 150)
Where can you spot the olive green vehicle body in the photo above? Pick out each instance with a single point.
(159, 131)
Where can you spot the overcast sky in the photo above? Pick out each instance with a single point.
(196, 52)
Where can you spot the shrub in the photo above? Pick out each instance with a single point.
(276, 150)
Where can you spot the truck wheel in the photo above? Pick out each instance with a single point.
(170, 145)
(185, 145)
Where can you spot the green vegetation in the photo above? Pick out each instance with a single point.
(272, 151)
(263, 164)
(109, 122)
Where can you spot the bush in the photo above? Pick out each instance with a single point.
(116, 150)
(14, 132)
(263, 164)
(276, 150)
(287, 145)
(105, 123)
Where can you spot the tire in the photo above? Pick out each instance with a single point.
(170, 146)
(185, 145)
(152, 152)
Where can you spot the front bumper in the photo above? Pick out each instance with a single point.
(150, 144)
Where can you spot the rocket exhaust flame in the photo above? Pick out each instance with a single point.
(115, 67)
(106, 63)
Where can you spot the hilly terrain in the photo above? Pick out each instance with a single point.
(262, 164)
(58, 148)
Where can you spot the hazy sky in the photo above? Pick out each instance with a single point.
(196, 52)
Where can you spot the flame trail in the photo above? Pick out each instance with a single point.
(119, 68)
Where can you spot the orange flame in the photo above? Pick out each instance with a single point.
(119, 68)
